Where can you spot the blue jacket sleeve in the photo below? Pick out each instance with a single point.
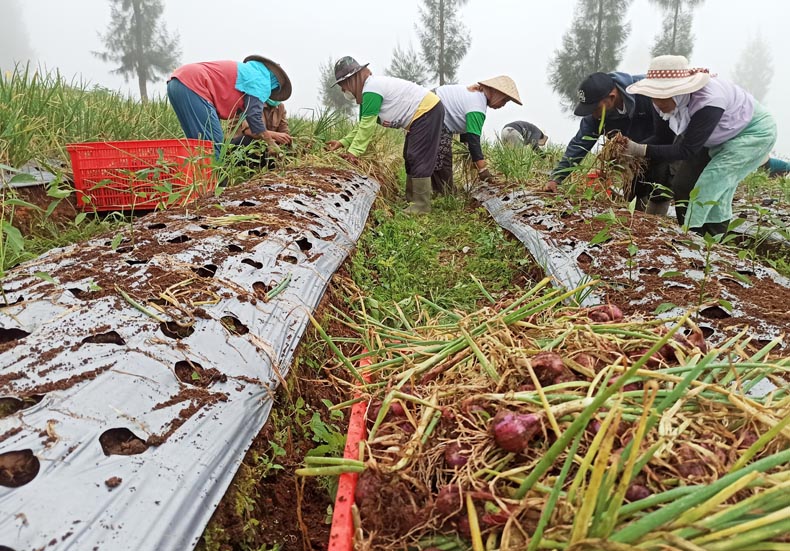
(579, 146)
(253, 112)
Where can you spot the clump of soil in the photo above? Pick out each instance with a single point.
(113, 482)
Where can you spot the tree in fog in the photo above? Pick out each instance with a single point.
(14, 43)
(676, 37)
(594, 42)
(754, 69)
(406, 64)
(139, 43)
(332, 96)
(444, 40)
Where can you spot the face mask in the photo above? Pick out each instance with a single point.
(272, 103)
(349, 96)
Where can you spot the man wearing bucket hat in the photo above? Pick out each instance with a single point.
(605, 106)
(723, 134)
(393, 103)
(204, 93)
(465, 113)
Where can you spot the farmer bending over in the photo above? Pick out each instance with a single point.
(393, 103)
(204, 93)
(721, 134)
(604, 96)
(466, 108)
(524, 133)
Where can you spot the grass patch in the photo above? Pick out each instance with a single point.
(436, 255)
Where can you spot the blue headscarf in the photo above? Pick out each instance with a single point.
(255, 79)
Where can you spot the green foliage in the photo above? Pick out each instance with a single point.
(41, 112)
(406, 64)
(436, 255)
(676, 37)
(444, 39)
(595, 42)
(139, 43)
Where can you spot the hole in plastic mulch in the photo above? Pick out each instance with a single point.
(19, 299)
(121, 441)
(257, 233)
(714, 312)
(124, 250)
(192, 373)
(174, 331)
(253, 263)
(290, 259)
(650, 271)
(111, 337)
(4, 548)
(345, 197)
(180, 239)
(234, 325)
(157, 226)
(206, 271)
(77, 292)
(235, 248)
(248, 204)
(707, 331)
(136, 262)
(12, 334)
(261, 289)
(304, 244)
(17, 468)
(10, 405)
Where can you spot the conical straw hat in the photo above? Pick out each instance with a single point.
(505, 85)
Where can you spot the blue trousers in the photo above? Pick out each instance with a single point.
(198, 117)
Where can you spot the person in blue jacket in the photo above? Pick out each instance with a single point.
(604, 96)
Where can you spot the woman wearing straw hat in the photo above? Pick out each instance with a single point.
(722, 135)
(393, 103)
(204, 93)
(465, 113)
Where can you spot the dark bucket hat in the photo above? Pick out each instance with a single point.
(347, 67)
(284, 91)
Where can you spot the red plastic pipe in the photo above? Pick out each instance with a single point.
(341, 536)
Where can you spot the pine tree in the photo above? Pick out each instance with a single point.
(332, 96)
(675, 37)
(754, 69)
(139, 42)
(595, 42)
(406, 64)
(444, 40)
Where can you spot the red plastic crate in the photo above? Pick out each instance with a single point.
(142, 174)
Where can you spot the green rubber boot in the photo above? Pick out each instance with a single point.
(422, 192)
(409, 189)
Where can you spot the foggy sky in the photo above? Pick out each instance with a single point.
(513, 37)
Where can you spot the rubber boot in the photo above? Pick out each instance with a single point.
(657, 207)
(422, 196)
(409, 189)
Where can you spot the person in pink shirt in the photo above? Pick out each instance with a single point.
(204, 93)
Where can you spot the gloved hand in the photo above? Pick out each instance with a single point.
(635, 149)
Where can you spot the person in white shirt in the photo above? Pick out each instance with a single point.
(465, 112)
(394, 103)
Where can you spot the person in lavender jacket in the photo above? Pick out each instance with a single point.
(721, 135)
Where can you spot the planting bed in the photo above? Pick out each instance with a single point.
(646, 263)
(136, 371)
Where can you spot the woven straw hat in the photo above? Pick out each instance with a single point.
(505, 85)
(284, 91)
(670, 76)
